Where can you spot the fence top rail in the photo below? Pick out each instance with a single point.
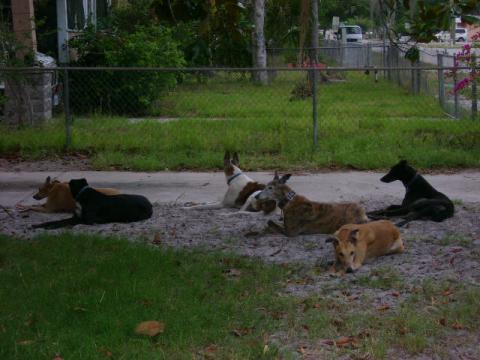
(231, 69)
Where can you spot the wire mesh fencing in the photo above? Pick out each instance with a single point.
(340, 112)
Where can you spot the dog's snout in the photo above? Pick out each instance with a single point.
(349, 270)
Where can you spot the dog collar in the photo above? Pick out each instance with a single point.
(410, 183)
(81, 191)
(230, 179)
(290, 195)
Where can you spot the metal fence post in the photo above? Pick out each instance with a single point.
(441, 81)
(474, 88)
(66, 102)
(313, 77)
(455, 94)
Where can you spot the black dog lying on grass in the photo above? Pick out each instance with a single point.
(93, 207)
(421, 201)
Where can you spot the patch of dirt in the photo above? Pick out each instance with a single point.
(59, 163)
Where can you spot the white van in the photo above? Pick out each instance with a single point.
(350, 34)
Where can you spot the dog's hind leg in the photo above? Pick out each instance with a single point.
(381, 212)
(215, 205)
(58, 224)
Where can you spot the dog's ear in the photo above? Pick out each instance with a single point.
(48, 180)
(284, 178)
(353, 237)
(332, 239)
(275, 177)
(226, 158)
(235, 160)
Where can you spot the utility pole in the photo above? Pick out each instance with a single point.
(452, 22)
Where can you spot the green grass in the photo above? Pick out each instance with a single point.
(362, 124)
(82, 296)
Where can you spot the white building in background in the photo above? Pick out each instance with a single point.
(73, 16)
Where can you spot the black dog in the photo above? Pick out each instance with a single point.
(93, 207)
(421, 201)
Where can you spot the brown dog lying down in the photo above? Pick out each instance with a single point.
(355, 243)
(302, 216)
(59, 197)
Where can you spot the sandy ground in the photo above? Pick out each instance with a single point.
(447, 251)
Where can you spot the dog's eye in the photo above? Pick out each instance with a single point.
(341, 254)
(351, 253)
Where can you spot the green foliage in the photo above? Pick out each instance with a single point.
(123, 92)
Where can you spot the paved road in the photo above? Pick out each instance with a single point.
(207, 186)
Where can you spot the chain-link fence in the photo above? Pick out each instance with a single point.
(340, 111)
(439, 83)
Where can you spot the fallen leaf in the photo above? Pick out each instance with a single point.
(456, 250)
(317, 305)
(25, 342)
(277, 315)
(232, 272)
(328, 342)
(242, 332)
(157, 239)
(107, 353)
(150, 328)
(403, 330)
(344, 341)
(447, 292)
(457, 326)
(442, 321)
(383, 307)
(209, 352)
(395, 293)
(58, 357)
(302, 349)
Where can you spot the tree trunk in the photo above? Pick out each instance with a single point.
(260, 50)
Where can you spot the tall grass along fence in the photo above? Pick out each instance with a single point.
(347, 116)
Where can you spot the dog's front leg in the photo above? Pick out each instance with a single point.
(58, 224)
(381, 212)
(272, 225)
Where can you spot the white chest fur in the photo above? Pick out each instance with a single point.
(78, 209)
(234, 189)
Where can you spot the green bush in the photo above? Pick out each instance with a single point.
(123, 92)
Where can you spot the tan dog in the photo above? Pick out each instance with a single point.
(302, 216)
(59, 197)
(355, 243)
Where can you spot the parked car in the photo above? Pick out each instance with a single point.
(350, 34)
(461, 34)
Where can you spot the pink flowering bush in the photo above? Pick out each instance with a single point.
(467, 57)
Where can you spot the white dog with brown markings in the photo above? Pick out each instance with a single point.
(356, 243)
(241, 190)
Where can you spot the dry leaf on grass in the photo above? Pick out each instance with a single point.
(209, 352)
(457, 326)
(157, 239)
(383, 307)
(342, 341)
(447, 292)
(150, 328)
(442, 321)
(395, 293)
(232, 272)
(25, 342)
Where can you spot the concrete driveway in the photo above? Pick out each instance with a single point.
(198, 187)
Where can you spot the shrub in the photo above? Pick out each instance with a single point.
(123, 92)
